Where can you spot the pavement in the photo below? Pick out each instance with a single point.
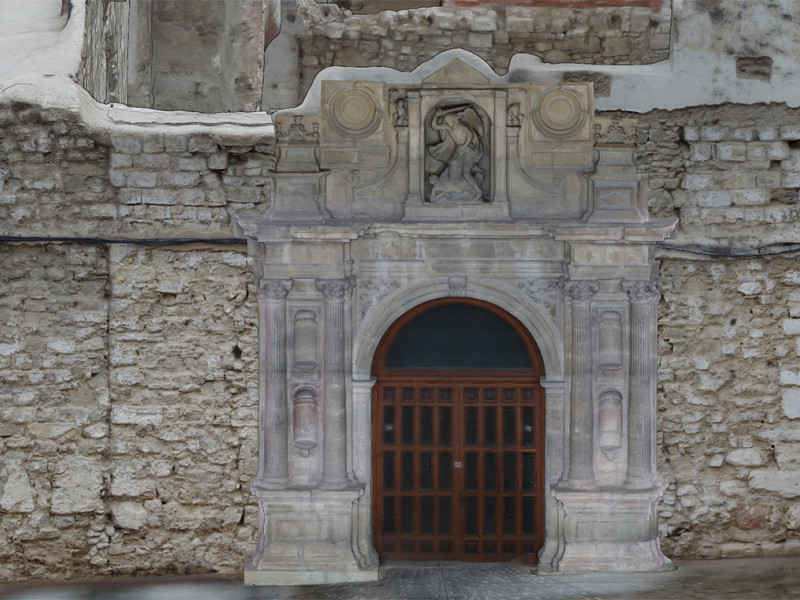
(740, 579)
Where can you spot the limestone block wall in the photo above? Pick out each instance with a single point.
(143, 183)
(128, 373)
(404, 39)
(54, 408)
(729, 345)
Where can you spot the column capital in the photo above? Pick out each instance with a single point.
(275, 289)
(642, 290)
(335, 289)
(580, 290)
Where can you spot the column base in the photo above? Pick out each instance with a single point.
(608, 530)
(308, 536)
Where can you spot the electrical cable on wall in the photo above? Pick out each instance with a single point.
(733, 251)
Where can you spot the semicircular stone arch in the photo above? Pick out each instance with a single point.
(532, 316)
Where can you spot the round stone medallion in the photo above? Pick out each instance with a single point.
(559, 112)
(353, 112)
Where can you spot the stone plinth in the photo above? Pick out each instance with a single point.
(306, 537)
(607, 530)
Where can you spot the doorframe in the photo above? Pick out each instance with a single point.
(535, 375)
(542, 322)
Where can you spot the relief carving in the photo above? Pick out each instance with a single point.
(275, 289)
(581, 291)
(353, 112)
(455, 167)
(514, 115)
(616, 131)
(297, 131)
(400, 115)
(370, 292)
(642, 291)
(335, 289)
(560, 113)
(545, 292)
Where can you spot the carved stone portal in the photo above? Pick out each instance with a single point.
(453, 182)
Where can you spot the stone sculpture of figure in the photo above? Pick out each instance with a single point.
(460, 149)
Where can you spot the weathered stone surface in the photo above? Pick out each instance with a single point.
(787, 484)
(744, 457)
(129, 515)
(753, 517)
(16, 492)
(77, 487)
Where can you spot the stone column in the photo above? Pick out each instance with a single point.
(643, 296)
(580, 473)
(274, 429)
(334, 444)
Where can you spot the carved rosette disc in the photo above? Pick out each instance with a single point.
(353, 112)
(559, 112)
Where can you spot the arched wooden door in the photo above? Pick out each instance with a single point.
(458, 436)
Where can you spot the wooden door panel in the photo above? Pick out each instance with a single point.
(457, 468)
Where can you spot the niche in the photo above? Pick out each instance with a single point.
(305, 420)
(609, 418)
(305, 340)
(458, 156)
(610, 340)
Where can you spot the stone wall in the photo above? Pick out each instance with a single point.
(729, 349)
(128, 373)
(405, 39)
(54, 409)
(59, 179)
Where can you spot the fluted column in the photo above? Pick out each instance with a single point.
(643, 296)
(334, 445)
(581, 419)
(274, 411)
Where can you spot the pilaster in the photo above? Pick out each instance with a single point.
(580, 473)
(334, 449)
(274, 416)
(643, 297)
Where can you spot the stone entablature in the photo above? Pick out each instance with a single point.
(456, 184)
